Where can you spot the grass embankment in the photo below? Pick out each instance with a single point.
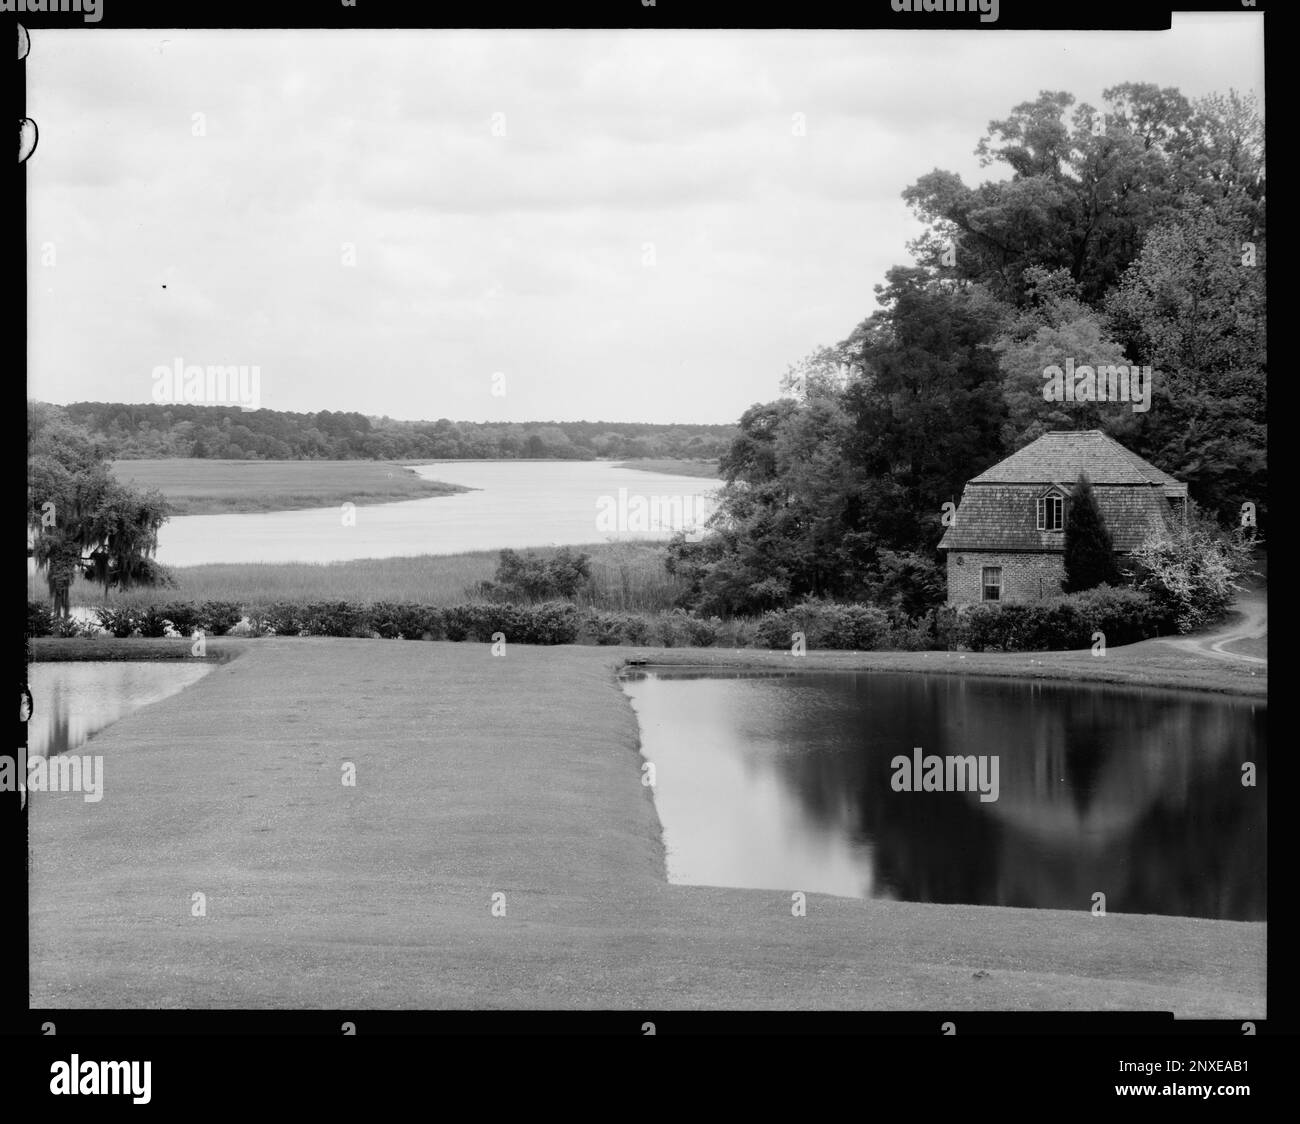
(47, 649)
(1149, 664)
(627, 576)
(672, 467)
(478, 776)
(196, 486)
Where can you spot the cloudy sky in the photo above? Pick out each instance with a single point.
(650, 239)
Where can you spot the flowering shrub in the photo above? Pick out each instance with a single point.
(1193, 573)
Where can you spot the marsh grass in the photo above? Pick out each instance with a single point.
(197, 486)
(625, 577)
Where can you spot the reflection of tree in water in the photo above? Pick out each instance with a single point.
(1135, 795)
(60, 727)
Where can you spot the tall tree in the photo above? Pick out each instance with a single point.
(1089, 550)
(1193, 306)
(81, 519)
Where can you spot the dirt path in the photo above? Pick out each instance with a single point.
(517, 776)
(1250, 622)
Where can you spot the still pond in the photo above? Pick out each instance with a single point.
(787, 781)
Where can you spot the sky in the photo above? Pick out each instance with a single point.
(512, 226)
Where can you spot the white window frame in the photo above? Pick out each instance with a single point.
(1042, 511)
(986, 585)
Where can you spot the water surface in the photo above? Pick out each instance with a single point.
(74, 700)
(515, 504)
(783, 781)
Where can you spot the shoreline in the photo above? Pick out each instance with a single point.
(1151, 664)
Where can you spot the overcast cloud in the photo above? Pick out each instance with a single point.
(525, 253)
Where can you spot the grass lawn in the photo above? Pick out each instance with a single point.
(1253, 646)
(478, 776)
(197, 486)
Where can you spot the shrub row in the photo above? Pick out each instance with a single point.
(825, 624)
(1122, 616)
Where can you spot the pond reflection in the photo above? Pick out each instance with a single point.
(782, 781)
(74, 700)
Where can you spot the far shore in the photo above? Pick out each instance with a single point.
(200, 486)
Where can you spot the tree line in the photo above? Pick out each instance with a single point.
(135, 431)
(1129, 234)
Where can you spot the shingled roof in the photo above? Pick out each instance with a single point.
(1058, 458)
(998, 509)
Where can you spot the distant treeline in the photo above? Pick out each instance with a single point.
(227, 432)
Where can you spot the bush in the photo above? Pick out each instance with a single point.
(604, 628)
(1123, 616)
(334, 618)
(918, 636)
(216, 618)
(184, 616)
(382, 616)
(825, 624)
(636, 629)
(551, 622)
(120, 622)
(284, 618)
(948, 628)
(679, 627)
(40, 619)
(152, 622)
(259, 623)
(458, 620)
(528, 577)
(393, 619)
(1193, 574)
(67, 628)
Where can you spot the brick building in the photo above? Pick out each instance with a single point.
(1007, 541)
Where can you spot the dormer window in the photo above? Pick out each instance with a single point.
(1051, 511)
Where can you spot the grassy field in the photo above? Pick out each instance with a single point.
(673, 467)
(626, 575)
(476, 777)
(213, 487)
(1255, 646)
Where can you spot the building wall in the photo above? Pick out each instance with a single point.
(1025, 577)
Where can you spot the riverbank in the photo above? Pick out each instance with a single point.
(672, 467)
(519, 776)
(1138, 665)
(1149, 664)
(199, 486)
